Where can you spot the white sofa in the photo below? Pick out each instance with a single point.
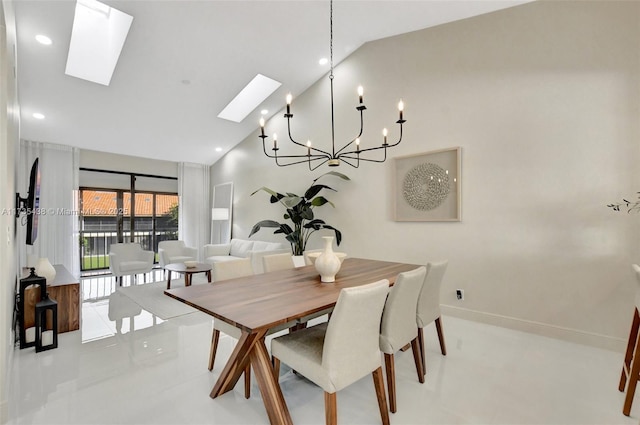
(241, 248)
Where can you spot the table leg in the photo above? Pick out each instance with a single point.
(251, 347)
(236, 363)
(187, 281)
(209, 275)
(169, 281)
(269, 387)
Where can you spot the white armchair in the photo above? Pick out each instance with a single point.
(175, 252)
(128, 259)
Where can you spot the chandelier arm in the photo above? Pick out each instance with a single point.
(365, 159)
(300, 144)
(399, 140)
(299, 162)
(319, 165)
(348, 163)
(357, 137)
(264, 148)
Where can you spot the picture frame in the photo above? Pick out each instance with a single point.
(427, 186)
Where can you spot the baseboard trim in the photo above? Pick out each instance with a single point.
(543, 329)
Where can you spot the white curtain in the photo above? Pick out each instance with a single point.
(58, 217)
(194, 221)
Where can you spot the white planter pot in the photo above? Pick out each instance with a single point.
(298, 260)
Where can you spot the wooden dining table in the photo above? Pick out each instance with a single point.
(257, 303)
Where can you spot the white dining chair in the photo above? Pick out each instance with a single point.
(275, 262)
(429, 307)
(223, 271)
(399, 326)
(336, 354)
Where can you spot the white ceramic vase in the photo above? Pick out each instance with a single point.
(328, 264)
(46, 270)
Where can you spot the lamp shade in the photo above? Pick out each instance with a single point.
(219, 213)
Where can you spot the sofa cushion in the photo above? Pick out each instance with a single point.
(266, 246)
(240, 248)
(220, 258)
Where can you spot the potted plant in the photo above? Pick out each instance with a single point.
(299, 210)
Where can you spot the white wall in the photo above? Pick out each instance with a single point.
(128, 164)
(544, 100)
(9, 137)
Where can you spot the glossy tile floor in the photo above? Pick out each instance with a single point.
(142, 370)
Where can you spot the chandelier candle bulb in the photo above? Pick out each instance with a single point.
(262, 126)
(289, 98)
(384, 133)
(358, 144)
(308, 147)
(360, 93)
(401, 108)
(275, 142)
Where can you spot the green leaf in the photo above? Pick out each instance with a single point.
(336, 231)
(321, 200)
(313, 190)
(291, 201)
(333, 173)
(264, 223)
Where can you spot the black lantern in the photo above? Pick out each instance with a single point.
(46, 339)
(27, 319)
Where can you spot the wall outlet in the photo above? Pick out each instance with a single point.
(460, 294)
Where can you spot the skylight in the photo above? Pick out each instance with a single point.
(98, 35)
(249, 98)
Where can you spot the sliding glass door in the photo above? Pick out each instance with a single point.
(109, 216)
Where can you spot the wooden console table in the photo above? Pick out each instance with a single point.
(65, 289)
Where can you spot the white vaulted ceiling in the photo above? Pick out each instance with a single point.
(183, 61)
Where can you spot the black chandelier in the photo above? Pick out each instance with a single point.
(316, 157)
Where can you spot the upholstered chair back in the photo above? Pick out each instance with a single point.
(232, 269)
(351, 348)
(275, 262)
(429, 301)
(399, 326)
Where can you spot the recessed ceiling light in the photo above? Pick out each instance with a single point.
(97, 37)
(323, 61)
(43, 39)
(218, 149)
(38, 116)
(249, 98)
(264, 111)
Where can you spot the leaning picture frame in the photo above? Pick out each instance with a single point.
(427, 186)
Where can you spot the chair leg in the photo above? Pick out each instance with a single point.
(633, 381)
(417, 358)
(634, 374)
(214, 347)
(633, 337)
(391, 381)
(276, 367)
(247, 381)
(378, 382)
(443, 347)
(421, 346)
(330, 408)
